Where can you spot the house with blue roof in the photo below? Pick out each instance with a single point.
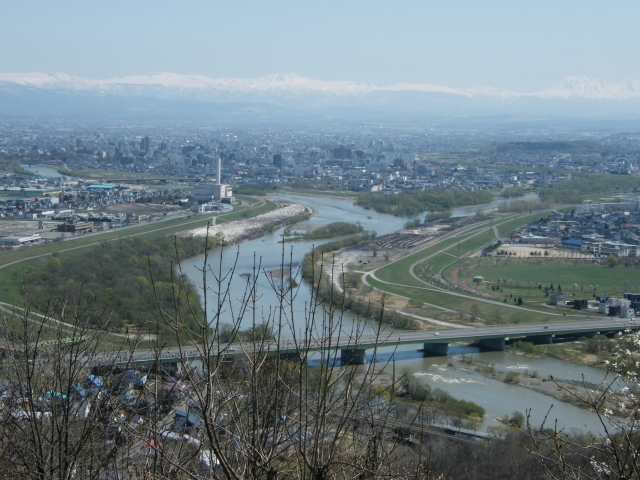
(572, 244)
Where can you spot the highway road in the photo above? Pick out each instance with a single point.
(393, 338)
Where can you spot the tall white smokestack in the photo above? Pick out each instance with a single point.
(219, 172)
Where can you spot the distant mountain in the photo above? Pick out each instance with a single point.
(293, 96)
(592, 89)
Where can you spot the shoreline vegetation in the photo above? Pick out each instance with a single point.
(314, 271)
(331, 230)
(435, 406)
(127, 279)
(415, 203)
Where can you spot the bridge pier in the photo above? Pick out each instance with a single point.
(496, 344)
(436, 349)
(540, 339)
(350, 356)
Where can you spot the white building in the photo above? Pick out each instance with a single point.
(20, 239)
(211, 207)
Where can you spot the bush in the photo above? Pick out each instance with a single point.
(511, 377)
(517, 419)
(526, 347)
(334, 229)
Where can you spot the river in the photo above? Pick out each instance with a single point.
(497, 398)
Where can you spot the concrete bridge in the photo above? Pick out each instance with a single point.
(353, 350)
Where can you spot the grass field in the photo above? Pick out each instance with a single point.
(470, 240)
(444, 253)
(577, 278)
(490, 313)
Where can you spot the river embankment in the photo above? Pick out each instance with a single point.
(239, 231)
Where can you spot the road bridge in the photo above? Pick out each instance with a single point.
(353, 350)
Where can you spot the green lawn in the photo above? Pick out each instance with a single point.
(511, 222)
(521, 276)
(398, 272)
(490, 313)
(445, 253)
(246, 198)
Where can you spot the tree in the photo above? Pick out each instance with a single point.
(374, 249)
(517, 419)
(475, 312)
(613, 455)
(50, 429)
(613, 261)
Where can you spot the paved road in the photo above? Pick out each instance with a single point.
(401, 337)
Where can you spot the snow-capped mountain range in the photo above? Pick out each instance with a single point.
(293, 98)
(292, 84)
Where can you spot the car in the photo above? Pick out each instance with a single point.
(437, 334)
(545, 327)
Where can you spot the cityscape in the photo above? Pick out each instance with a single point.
(319, 241)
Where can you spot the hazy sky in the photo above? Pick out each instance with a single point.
(517, 45)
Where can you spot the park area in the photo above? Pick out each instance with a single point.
(535, 280)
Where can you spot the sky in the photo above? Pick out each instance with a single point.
(514, 45)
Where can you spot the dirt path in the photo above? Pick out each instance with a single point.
(456, 279)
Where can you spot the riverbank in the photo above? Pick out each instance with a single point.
(238, 231)
(580, 394)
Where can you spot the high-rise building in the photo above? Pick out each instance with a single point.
(145, 144)
(342, 152)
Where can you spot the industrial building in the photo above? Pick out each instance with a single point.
(75, 227)
(20, 239)
(213, 192)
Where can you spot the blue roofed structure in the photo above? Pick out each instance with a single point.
(572, 243)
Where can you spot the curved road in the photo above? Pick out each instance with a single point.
(442, 290)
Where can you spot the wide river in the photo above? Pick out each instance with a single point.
(497, 398)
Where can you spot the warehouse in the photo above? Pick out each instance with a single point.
(19, 239)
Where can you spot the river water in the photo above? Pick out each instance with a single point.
(497, 398)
